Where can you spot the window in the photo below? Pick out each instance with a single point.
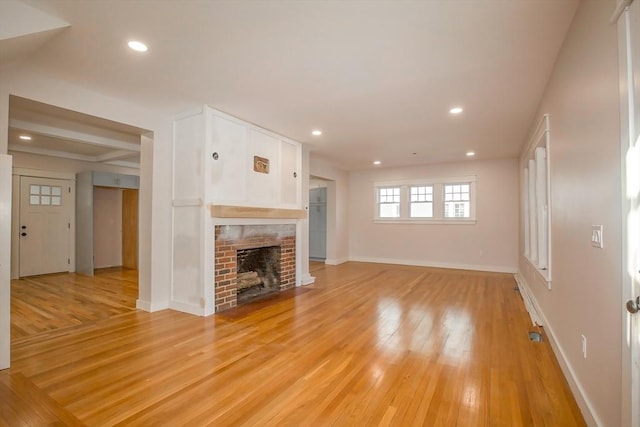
(389, 202)
(535, 201)
(457, 201)
(428, 201)
(421, 201)
(45, 195)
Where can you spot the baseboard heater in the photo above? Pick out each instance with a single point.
(528, 302)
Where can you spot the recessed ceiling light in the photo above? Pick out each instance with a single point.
(471, 153)
(456, 110)
(137, 46)
(25, 137)
(377, 162)
(316, 132)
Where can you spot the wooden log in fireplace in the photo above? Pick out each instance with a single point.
(248, 279)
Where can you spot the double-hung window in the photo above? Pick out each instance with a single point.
(389, 202)
(427, 201)
(421, 201)
(457, 200)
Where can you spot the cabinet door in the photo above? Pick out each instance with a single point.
(290, 173)
(262, 182)
(227, 160)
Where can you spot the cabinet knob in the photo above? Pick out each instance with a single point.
(295, 174)
(215, 156)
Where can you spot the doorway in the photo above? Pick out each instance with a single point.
(317, 220)
(115, 227)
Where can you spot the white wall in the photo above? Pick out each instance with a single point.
(107, 227)
(155, 184)
(582, 101)
(489, 244)
(337, 208)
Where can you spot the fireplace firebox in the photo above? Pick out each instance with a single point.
(252, 261)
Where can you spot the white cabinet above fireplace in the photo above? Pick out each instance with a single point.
(232, 162)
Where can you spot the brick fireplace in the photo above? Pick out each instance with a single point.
(229, 239)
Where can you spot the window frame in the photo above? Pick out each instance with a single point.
(536, 201)
(426, 195)
(455, 202)
(437, 185)
(379, 203)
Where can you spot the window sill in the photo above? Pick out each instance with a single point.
(545, 275)
(465, 221)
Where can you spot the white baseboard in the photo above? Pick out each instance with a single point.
(149, 307)
(437, 264)
(307, 280)
(586, 408)
(184, 307)
(336, 261)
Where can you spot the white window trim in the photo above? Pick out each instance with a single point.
(536, 201)
(438, 200)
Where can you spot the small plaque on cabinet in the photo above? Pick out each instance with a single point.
(260, 164)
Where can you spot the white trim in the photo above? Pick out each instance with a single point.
(437, 264)
(543, 126)
(181, 203)
(586, 408)
(307, 280)
(184, 307)
(621, 5)
(439, 221)
(5, 260)
(336, 261)
(37, 173)
(150, 307)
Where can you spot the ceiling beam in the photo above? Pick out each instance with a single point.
(75, 136)
(115, 155)
(132, 165)
(50, 153)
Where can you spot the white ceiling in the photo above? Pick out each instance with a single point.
(377, 77)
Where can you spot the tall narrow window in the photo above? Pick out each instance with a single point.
(389, 202)
(535, 201)
(457, 201)
(421, 201)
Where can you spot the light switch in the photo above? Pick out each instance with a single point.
(596, 236)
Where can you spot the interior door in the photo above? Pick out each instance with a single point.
(45, 225)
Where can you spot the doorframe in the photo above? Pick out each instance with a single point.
(5, 260)
(630, 410)
(17, 174)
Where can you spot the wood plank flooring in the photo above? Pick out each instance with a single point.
(54, 301)
(367, 344)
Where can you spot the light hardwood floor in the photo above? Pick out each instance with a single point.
(367, 344)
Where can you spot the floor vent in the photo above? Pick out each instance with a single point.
(535, 337)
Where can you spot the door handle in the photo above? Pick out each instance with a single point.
(633, 306)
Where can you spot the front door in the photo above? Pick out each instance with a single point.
(45, 225)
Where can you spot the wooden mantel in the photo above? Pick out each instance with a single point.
(227, 211)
